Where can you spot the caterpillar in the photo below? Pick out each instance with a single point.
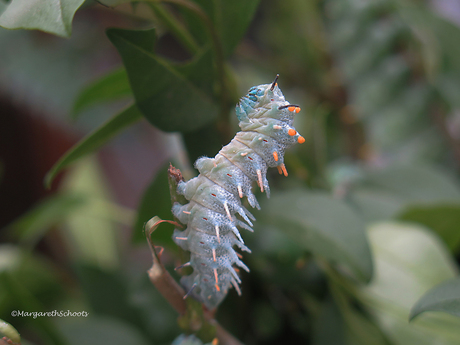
(211, 235)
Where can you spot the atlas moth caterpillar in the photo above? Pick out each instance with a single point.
(215, 194)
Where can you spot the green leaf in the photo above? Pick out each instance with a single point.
(95, 139)
(409, 260)
(325, 226)
(199, 71)
(156, 201)
(112, 86)
(385, 193)
(31, 226)
(444, 219)
(165, 97)
(376, 205)
(53, 16)
(444, 297)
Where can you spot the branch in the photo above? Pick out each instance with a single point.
(193, 317)
(159, 276)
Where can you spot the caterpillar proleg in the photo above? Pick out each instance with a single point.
(215, 211)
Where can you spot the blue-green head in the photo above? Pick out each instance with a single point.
(258, 96)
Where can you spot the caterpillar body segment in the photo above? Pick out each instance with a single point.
(215, 210)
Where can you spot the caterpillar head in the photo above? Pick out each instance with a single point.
(259, 97)
(260, 93)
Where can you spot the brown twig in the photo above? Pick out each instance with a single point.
(171, 290)
(159, 276)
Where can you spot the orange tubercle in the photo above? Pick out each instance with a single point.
(283, 168)
(217, 287)
(215, 341)
(297, 109)
(300, 139)
(280, 170)
(292, 132)
(275, 155)
(291, 108)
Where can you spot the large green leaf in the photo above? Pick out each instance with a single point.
(166, 97)
(95, 139)
(444, 219)
(53, 16)
(111, 86)
(385, 193)
(409, 260)
(325, 226)
(444, 297)
(417, 182)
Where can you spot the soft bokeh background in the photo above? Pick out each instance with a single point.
(379, 87)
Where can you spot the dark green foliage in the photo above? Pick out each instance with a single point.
(110, 87)
(357, 240)
(165, 97)
(306, 220)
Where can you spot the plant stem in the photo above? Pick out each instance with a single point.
(191, 311)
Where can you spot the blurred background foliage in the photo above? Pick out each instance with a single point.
(362, 236)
